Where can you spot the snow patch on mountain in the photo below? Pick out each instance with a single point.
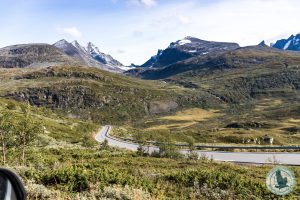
(90, 55)
(186, 48)
(78, 46)
(183, 42)
(61, 43)
(106, 59)
(291, 44)
(286, 46)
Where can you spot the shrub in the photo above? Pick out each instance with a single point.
(193, 155)
(73, 178)
(36, 191)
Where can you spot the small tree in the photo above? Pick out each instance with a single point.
(87, 142)
(141, 140)
(140, 150)
(191, 143)
(193, 156)
(27, 131)
(168, 149)
(104, 145)
(6, 132)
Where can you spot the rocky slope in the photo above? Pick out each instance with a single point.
(292, 43)
(240, 75)
(33, 55)
(62, 53)
(90, 56)
(187, 48)
(95, 94)
(236, 59)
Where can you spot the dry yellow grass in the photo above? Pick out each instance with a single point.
(294, 120)
(194, 114)
(268, 103)
(185, 118)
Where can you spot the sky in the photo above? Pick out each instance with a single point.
(133, 30)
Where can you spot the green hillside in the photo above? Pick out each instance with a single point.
(70, 103)
(89, 93)
(64, 162)
(258, 93)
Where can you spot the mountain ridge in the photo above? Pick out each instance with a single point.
(292, 43)
(186, 48)
(239, 58)
(61, 53)
(33, 55)
(90, 55)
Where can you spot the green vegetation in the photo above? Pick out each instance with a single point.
(18, 131)
(23, 126)
(93, 94)
(66, 167)
(63, 161)
(156, 110)
(257, 94)
(78, 173)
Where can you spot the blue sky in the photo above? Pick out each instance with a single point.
(133, 30)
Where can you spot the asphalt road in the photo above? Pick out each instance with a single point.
(239, 157)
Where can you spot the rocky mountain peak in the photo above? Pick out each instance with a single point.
(92, 49)
(292, 43)
(262, 44)
(89, 55)
(76, 44)
(186, 48)
(61, 43)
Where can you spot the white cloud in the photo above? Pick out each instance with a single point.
(71, 31)
(148, 3)
(246, 22)
(120, 51)
(183, 19)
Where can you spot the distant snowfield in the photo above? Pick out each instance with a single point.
(286, 46)
(183, 42)
(126, 68)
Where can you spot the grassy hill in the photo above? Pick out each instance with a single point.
(258, 89)
(94, 94)
(65, 162)
(253, 94)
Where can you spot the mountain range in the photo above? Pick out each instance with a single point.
(190, 54)
(72, 53)
(59, 54)
(186, 48)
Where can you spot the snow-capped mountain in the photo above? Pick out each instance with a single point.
(292, 43)
(103, 58)
(186, 48)
(90, 56)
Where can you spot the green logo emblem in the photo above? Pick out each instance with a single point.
(281, 180)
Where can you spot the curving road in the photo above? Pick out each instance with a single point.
(238, 157)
